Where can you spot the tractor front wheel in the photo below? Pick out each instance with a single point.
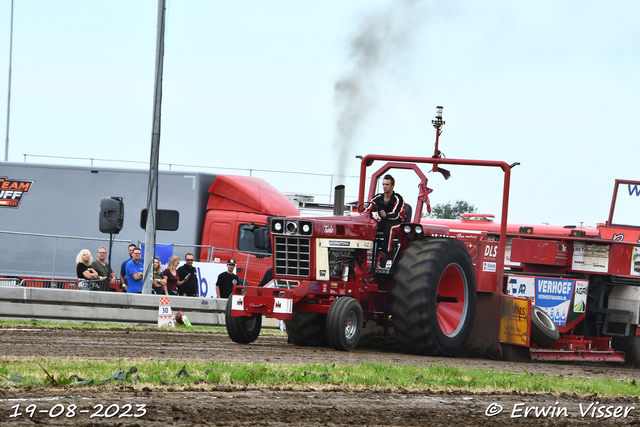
(433, 300)
(243, 330)
(344, 324)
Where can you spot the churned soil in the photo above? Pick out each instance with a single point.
(210, 404)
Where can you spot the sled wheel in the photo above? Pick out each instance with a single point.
(344, 324)
(543, 331)
(433, 300)
(243, 330)
(307, 329)
(631, 347)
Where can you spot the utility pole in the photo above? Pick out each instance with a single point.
(152, 192)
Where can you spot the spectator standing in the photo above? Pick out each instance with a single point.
(135, 268)
(123, 269)
(171, 275)
(83, 266)
(102, 267)
(158, 283)
(188, 274)
(227, 280)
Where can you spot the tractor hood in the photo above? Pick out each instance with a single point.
(248, 194)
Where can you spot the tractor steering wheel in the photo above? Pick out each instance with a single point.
(365, 205)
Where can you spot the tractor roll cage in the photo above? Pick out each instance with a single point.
(398, 162)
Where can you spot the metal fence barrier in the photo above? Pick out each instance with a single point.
(46, 255)
(47, 303)
(52, 257)
(71, 284)
(9, 281)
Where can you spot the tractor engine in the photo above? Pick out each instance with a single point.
(340, 263)
(318, 249)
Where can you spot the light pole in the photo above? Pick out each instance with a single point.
(6, 141)
(152, 192)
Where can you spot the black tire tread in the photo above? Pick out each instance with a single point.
(416, 328)
(307, 329)
(237, 327)
(631, 347)
(335, 323)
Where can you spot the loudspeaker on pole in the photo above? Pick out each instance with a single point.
(111, 215)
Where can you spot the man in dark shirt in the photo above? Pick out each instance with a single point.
(391, 209)
(227, 280)
(188, 271)
(104, 269)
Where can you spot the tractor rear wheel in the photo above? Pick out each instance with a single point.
(243, 330)
(344, 324)
(307, 329)
(433, 300)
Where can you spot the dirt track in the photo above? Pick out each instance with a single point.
(216, 405)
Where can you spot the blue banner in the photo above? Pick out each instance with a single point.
(554, 297)
(164, 252)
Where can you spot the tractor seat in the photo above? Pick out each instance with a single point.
(408, 210)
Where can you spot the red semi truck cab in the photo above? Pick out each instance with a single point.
(239, 208)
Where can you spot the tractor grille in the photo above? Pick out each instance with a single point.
(292, 256)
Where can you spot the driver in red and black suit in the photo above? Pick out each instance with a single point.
(391, 209)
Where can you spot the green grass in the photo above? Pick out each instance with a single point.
(21, 372)
(67, 372)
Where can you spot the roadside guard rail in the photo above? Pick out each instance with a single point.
(79, 305)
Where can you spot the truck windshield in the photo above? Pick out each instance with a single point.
(246, 238)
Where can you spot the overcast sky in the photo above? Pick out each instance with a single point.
(306, 86)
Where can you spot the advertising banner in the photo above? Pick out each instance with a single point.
(590, 257)
(563, 300)
(554, 297)
(12, 191)
(208, 273)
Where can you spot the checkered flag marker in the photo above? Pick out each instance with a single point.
(165, 314)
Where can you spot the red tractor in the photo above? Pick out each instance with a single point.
(528, 291)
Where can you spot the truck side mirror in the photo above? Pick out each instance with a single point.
(261, 239)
